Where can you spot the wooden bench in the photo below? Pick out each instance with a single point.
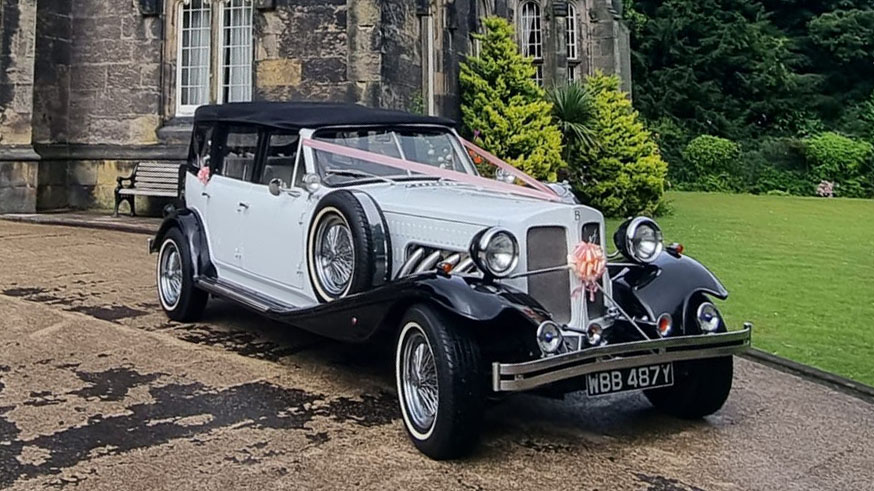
(148, 179)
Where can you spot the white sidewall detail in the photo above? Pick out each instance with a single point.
(409, 326)
(164, 304)
(311, 260)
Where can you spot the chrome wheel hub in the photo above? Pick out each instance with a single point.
(170, 275)
(335, 258)
(419, 378)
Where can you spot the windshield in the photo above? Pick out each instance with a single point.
(436, 147)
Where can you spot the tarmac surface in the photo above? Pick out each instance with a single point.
(99, 390)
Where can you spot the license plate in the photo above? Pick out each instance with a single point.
(624, 379)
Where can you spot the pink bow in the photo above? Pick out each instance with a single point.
(203, 175)
(588, 262)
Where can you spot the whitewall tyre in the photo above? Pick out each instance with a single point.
(340, 252)
(178, 296)
(440, 383)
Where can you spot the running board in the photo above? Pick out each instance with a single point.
(248, 298)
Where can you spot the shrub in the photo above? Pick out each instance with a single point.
(712, 164)
(624, 175)
(671, 139)
(503, 105)
(776, 165)
(842, 160)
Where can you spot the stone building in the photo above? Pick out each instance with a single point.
(90, 87)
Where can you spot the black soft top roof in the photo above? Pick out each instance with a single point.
(297, 115)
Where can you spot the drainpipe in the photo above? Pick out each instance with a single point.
(424, 11)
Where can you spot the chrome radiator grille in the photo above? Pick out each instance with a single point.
(547, 248)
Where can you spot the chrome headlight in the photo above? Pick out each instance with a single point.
(639, 239)
(549, 337)
(708, 318)
(495, 251)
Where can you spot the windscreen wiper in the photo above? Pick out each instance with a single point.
(356, 173)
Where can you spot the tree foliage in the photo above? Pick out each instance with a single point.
(848, 35)
(505, 109)
(715, 66)
(573, 112)
(624, 174)
(746, 69)
(773, 76)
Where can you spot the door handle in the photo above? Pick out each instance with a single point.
(205, 194)
(242, 204)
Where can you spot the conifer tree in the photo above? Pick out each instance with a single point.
(505, 109)
(625, 174)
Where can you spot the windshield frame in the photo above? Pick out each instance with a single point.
(454, 139)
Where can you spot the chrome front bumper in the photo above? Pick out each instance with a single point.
(532, 374)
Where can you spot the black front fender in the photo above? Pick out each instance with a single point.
(665, 286)
(360, 316)
(189, 223)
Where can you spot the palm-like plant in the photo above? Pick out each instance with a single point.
(572, 111)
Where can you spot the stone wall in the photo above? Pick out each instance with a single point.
(18, 168)
(86, 178)
(97, 93)
(87, 87)
(99, 73)
(301, 52)
(611, 48)
(400, 74)
(16, 71)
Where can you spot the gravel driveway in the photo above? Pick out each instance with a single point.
(99, 390)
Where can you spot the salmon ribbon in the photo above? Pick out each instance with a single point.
(203, 175)
(540, 191)
(589, 263)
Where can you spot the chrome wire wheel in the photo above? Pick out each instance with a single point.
(419, 381)
(170, 275)
(335, 255)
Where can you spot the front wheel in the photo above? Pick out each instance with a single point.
(701, 387)
(179, 298)
(440, 384)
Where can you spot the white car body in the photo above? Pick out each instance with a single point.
(258, 241)
(391, 232)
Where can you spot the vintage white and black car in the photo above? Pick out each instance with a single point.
(362, 224)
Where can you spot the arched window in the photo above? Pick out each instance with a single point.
(573, 49)
(205, 27)
(573, 43)
(532, 35)
(483, 10)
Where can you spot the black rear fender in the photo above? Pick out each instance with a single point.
(189, 223)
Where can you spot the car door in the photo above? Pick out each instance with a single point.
(274, 227)
(226, 195)
(200, 155)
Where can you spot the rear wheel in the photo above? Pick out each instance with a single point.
(440, 384)
(179, 298)
(701, 387)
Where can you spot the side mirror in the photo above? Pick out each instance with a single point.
(275, 187)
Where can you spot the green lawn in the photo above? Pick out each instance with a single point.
(801, 269)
